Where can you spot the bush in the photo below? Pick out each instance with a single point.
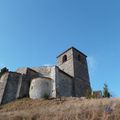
(106, 93)
(88, 94)
(46, 96)
(3, 70)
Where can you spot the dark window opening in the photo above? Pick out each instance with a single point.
(64, 58)
(79, 58)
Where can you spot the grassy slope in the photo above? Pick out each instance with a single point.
(68, 109)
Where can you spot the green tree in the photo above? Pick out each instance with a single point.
(3, 70)
(106, 93)
(88, 94)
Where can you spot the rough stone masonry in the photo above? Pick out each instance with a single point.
(69, 77)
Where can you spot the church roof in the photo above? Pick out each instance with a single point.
(74, 49)
(64, 72)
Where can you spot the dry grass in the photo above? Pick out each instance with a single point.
(67, 109)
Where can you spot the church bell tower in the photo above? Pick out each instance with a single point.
(74, 63)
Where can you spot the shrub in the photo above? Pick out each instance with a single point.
(88, 94)
(106, 93)
(46, 96)
(3, 70)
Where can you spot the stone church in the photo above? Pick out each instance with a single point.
(69, 77)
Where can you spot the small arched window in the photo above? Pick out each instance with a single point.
(79, 57)
(64, 58)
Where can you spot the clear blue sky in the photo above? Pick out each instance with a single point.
(34, 32)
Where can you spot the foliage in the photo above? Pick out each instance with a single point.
(88, 94)
(3, 70)
(46, 96)
(106, 93)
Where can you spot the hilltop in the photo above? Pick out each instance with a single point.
(67, 109)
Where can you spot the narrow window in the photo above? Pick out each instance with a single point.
(79, 57)
(64, 58)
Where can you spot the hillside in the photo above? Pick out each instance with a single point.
(67, 109)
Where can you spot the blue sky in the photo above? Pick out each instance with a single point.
(34, 32)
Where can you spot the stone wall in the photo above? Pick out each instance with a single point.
(40, 87)
(3, 82)
(15, 85)
(36, 72)
(81, 75)
(22, 70)
(64, 84)
(68, 65)
(81, 71)
(11, 88)
(81, 87)
(43, 71)
(26, 81)
(48, 71)
(53, 76)
(80, 66)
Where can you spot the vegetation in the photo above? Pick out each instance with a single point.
(88, 94)
(106, 93)
(46, 96)
(69, 109)
(3, 70)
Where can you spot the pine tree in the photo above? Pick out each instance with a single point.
(106, 93)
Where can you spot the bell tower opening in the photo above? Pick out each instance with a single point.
(64, 58)
(65, 62)
(79, 57)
